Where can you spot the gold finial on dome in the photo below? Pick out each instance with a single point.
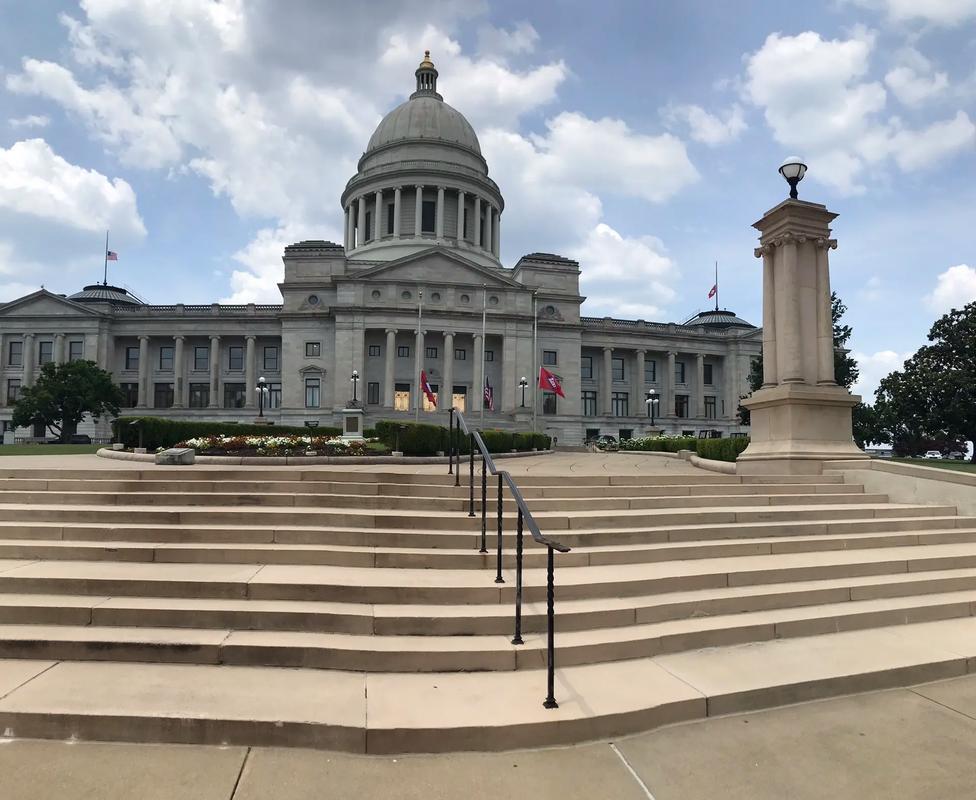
(426, 62)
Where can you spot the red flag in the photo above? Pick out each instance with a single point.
(549, 382)
(428, 392)
(713, 292)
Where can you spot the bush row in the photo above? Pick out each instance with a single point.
(721, 449)
(715, 449)
(421, 439)
(159, 432)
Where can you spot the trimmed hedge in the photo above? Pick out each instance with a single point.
(421, 439)
(721, 449)
(159, 432)
(660, 444)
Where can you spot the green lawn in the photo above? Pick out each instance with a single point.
(942, 463)
(47, 449)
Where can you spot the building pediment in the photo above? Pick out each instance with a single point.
(43, 303)
(435, 265)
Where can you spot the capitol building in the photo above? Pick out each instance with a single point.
(416, 285)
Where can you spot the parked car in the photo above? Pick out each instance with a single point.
(932, 454)
(956, 455)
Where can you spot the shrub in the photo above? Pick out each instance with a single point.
(660, 444)
(421, 439)
(721, 449)
(158, 432)
(497, 441)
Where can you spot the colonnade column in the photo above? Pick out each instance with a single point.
(770, 369)
(397, 199)
(361, 223)
(28, 360)
(638, 382)
(791, 354)
(58, 348)
(179, 389)
(388, 377)
(825, 323)
(478, 390)
(496, 242)
(141, 401)
(418, 212)
(477, 221)
(669, 399)
(347, 216)
(700, 385)
(439, 224)
(446, 399)
(606, 385)
(250, 373)
(214, 372)
(489, 211)
(418, 365)
(378, 217)
(460, 216)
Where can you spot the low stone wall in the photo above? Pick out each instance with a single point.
(911, 483)
(292, 461)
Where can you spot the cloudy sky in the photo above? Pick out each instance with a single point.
(641, 137)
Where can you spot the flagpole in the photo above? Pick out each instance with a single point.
(535, 356)
(105, 268)
(716, 285)
(420, 355)
(484, 326)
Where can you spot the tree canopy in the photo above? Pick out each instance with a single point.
(63, 394)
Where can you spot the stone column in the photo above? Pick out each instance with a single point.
(361, 223)
(478, 390)
(511, 395)
(446, 399)
(460, 217)
(488, 240)
(606, 385)
(397, 200)
(345, 228)
(668, 400)
(439, 224)
(250, 373)
(179, 381)
(477, 221)
(27, 358)
(59, 348)
(496, 232)
(770, 373)
(378, 217)
(788, 345)
(214, 372)
(700, 385)
(418, 365)
(638, 406)
(388, 375)
(418, 211)
(143, 399)
(825, 322)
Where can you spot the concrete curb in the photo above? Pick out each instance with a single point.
(291, 461)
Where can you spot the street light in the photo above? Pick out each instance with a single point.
(263, 392)
(652, 398)
(355, 384)
(523, 383)
(793, 170)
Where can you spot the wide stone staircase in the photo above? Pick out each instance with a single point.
(354, 610)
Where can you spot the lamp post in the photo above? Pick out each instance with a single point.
(523, 383)
(355, 385)
(793, 170)
(652, 398)
(263, 392)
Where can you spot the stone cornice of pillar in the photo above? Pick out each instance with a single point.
(394, 331)
(767, 248)
(145, 336)
(179, 337)
(250, 336)
(795, 218)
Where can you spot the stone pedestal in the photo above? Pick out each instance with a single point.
(352, 424)
(800, 416)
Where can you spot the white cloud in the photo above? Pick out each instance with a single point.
(499, 42)
(921, 148)
(914, 88)
(946, 13)
(954, 288)
(30, 121)
(873, 367)
(709, 128)
(263, 269)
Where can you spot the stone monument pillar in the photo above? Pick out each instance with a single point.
(800, 416)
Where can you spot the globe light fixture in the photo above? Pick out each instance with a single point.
(793, 169)
(262, 392)
(523, 383)
(354, 378)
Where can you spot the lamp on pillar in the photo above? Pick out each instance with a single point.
(652, 398)
(355, 384)
(793, 170)
(263, 392)
(523, 383)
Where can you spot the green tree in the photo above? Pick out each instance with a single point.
(63, 394)
(933, 398)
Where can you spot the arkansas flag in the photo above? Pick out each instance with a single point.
(549, 382)
(428, 392)
(713, 292)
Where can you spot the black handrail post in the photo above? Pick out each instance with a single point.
(450, 441)
(551, 644)
(517, 639)
(457, 452)
(498, 576)
(484, 506)
(470, 474)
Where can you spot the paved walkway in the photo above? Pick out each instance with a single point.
(904, 744)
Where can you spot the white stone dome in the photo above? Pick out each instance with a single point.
(425, 117)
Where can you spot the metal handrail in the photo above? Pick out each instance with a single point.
(524, 519)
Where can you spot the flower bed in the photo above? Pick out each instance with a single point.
(281, 446)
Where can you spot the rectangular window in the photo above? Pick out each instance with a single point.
(460, 398)
(589, 404)
(460, 354)
(430, 352)
(201, 358)
(489, 355)
(274, 395)
(586, 368)
(368, 233)
(548, 402)
(132, 358)
(427, 216)
(163, 395)
(15, 354)
(619, 403)
(427, 405)
(76, 350)
(626, 433)
(650, 371)
(235, 359)
(390, 216)
(234, 395)
(45, 352)
(313, 349)
(617, 367)
(681, 405)
(270, 359)
(707, 370)
(13, 390)
(199, 395)
(130, 394)
(313, 392)
(549, 358)
(373, 393)
(375, 350)
(403, 351)
(679, 371)
(401, 396)
(710, 407)
(166, 358)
